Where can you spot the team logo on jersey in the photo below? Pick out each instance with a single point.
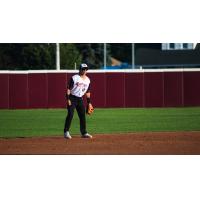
(79, 84)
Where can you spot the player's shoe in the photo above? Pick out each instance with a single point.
(67, 135)
(86, 135)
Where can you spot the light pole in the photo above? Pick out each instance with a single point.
(57, 56)
(133, 56)
(104, 50)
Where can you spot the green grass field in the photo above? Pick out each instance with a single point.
(50, 122)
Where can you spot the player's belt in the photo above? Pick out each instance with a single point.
(73, 96)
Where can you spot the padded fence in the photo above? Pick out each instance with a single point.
(139, 88)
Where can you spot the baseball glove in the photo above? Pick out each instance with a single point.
(89, 109)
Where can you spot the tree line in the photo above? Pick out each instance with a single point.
(34, 56)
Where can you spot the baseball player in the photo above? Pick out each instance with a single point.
(78, 86)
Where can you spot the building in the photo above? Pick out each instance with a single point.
(167, 55)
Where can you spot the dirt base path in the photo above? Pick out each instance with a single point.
(168, 143)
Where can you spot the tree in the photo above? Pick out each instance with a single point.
(69, 55)
(27, 56)
(38, 56)
(93, 54)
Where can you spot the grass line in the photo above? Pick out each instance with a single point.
(49, 122)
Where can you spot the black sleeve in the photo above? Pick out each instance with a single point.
(70, 84)
(88, 90)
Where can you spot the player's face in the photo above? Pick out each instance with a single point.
(83, 71)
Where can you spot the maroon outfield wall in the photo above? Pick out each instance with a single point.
(134, 89)
(56, 90)
(38, 90)
(191, 84)
(173, 89)
(115, 89)
(108, 89)
(153, 89)
(4, 91)
(18, 91)
(98, 89)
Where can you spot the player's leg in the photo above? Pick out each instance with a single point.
(68, 120)
(81, 113)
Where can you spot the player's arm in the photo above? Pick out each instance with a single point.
(67, 97)
(89, 108)
(68, 92)
(88, 95)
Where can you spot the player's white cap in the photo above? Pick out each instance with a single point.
(83, 66)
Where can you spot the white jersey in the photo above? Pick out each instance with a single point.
(79, 86)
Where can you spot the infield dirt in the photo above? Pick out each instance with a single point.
(156, 143)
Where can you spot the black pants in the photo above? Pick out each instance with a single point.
(77, 102)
